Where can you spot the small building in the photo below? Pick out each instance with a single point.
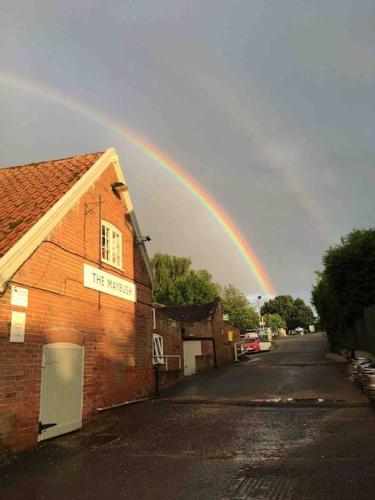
(203, 338)
(168, 356)
(75, 297)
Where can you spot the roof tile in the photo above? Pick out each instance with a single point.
(189, 312)
(27, 192)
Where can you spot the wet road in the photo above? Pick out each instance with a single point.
(200, 443)
(299, 367)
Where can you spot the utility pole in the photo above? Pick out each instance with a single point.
(259, 298)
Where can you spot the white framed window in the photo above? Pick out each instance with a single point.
(158, 349)
(111, 244)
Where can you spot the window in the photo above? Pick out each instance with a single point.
(111, 245)
(157, 357)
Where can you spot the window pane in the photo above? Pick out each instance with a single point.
(107, 244)
(111, 245)
(114, 247)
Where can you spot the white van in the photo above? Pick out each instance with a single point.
(264, 341)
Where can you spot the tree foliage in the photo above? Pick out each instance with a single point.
(175, 283)
(294, 312)
(166, 269)
(195, 287)
(350, 270)
(281, 305)
(346, 286)
(275, 322)
(302, 315)
(241, 313)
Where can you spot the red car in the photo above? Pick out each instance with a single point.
(251, 345)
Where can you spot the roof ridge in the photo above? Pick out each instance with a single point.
(26, 165)
(189, 312)
(192, 305)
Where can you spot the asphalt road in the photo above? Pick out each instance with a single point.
(205, 441)
(299, 367)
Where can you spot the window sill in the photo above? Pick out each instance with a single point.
(112, 265)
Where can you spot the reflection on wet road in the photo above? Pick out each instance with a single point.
(298, 368)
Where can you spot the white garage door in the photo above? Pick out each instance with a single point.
(192, 348)
(61, 390)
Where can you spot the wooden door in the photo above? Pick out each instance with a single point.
(192, 348)
(61, 394)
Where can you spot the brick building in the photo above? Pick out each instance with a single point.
(199, 333)
(75, 297)
(168, 350)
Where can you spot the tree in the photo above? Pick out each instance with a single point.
(195, 287)
(295, 312)
(175, 283)
(346, 286)
(166, 269)
(302, 315)
(332, 317)
(241, 313)
(281, 305)
(275, 322)
(350, 271)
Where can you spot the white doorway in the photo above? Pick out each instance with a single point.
(61, 394)
(192, 348)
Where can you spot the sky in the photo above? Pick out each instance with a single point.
(267, 105)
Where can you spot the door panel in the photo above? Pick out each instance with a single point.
(61, 389)
(192, 348)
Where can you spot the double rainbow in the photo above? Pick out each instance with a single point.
(151, 151)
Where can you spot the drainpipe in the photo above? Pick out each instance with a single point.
(157, 382)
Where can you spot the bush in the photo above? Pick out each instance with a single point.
(346, 286)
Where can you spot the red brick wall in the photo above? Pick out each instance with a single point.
(236, 331)
(170, 330)
(217, 328)
(198, 328)
(220, 328)
(115, 333)
(204, 363)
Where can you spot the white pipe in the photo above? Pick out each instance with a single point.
(121, 404)
(235, 352)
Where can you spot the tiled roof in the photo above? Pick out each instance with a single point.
(189, 312)
(27, 192)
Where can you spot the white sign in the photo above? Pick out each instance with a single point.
(20, 296)
(17, 329)
(108, 283)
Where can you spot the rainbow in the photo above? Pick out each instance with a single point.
(160, 158)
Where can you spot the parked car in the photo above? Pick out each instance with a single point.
(295, 332)
(355, 364)
(369, 386)
(364, 370)
(363, 373)
(251, 344)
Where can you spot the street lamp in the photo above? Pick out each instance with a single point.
(261, 322)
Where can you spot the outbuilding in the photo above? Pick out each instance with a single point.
(75, 297)
(201, 335)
